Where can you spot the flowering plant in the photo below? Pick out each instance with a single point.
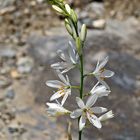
(74, 59)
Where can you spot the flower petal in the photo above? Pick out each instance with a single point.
(80, 102)
(100, 90)
(98, 110)
(54, 84)
(66, 70)
(97, 65)
(61, 55)
(82, 122)
(103, 82)
(106, 116)
(72, 53)
(76, 113)
(53, 107)
(103, 62)
(56, 95)
(59, 65)
(91, 100)
(102, 94)
(77, 57)
(94, 120)
(94, 88)
(107, 74)
(67, 79)
(60, 75)
(64, 98)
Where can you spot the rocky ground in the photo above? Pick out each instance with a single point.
(28, 42)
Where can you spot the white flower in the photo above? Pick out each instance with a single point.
(100, 90)
(63, 87)
(69, 60)
(101, 73)
(106, 116)
(86, 111)
(55, 109)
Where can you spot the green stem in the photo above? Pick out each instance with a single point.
(80, 135)
(82, 76)
(89, 74)
(81, 87)
(76, 28)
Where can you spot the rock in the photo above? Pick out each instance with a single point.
(39, 1)
(95, 9)
(7, 116)
(44, 48)
(7, 10)
(78, 2)
(7, 53)
(82, 14)
(99, 24)
(5, 3)
(93, 24)
(119, 28)
(88, 21)
(16, 128)
(10, 94)
(122, 8)
(4, 82)
(15, 74)
(4, 70)
(24, 65)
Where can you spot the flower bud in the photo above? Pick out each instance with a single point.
(68, 27)
(74, 16)
(68, 9)
(58, 9)
(79, 45)
(83, 33)
(74, 34)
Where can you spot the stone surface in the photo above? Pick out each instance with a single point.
(122, 8)
(7, 53)
(99, 24)
(24, 64)
(33, 32)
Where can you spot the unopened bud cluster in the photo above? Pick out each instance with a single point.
(71, 22)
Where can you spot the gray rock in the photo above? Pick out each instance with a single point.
(99, 24)
(25, 64)
(4, 82)
(96, 9)
(5, 3)
(10, 94)
(88, 21)
(44, 48)
(7, 53)
(16, 128)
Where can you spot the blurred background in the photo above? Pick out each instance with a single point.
(31, 33)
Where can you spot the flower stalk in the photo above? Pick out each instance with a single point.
(75, 59)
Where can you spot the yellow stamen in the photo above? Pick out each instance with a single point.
(62, 89)
(102, 70)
